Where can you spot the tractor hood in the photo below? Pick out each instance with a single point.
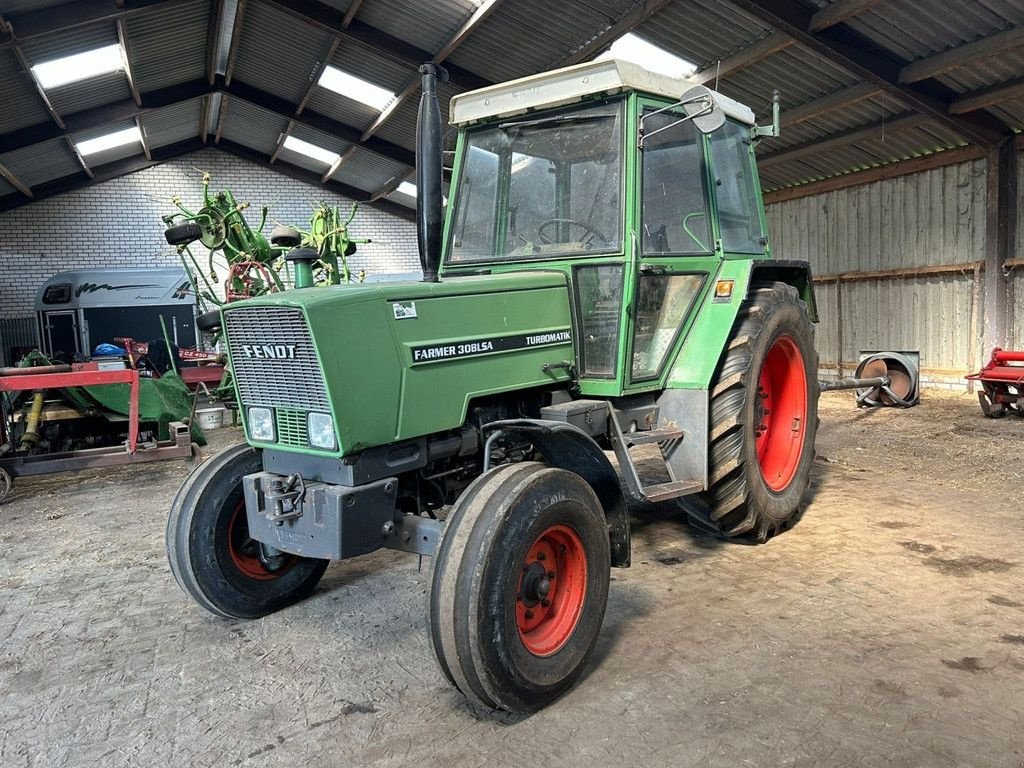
(392, 361)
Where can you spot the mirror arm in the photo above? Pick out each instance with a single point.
(774, 130)
(641, 132)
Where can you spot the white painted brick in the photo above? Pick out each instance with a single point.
(117, 223)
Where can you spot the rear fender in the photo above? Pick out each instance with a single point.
(795, 273)
(568, 447)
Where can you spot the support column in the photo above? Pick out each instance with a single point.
(1000, 234)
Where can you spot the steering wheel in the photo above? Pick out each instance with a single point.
(589, 233)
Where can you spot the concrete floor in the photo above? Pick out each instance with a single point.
(887, 628)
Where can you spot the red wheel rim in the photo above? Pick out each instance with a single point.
(552, 589)
(781, 413)
(244, 550)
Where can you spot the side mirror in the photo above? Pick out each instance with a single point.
(703, 108)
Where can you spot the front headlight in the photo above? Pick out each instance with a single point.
(321, 430)
(261, 424)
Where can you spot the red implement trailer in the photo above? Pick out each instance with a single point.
(1002, 384)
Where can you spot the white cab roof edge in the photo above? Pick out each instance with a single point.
(571, 84)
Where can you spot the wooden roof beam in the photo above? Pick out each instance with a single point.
(236, 36)
(829, 103)
(480, 15)
(841, 140)
(126, 58)
(353, 9)
(988, 97)
(930, 66)
(7, 28)
(15, 182)
(839, 11)
(762, 49)
(336, 165)
(331, 20)
(627, 23)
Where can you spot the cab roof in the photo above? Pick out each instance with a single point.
(571, 84)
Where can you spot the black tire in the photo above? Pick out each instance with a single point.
(183, 234)
(480, 590)
(209, 322)
(6, 484)
(739, 501)
(213, 560)
(285, 237)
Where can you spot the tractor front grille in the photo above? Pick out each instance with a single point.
(274, 363)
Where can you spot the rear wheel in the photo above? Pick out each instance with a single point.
(764, 417)
(212, 556)
(520, 585)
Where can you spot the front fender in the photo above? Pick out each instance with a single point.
(568, 447)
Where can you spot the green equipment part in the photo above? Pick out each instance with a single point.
(601, 282)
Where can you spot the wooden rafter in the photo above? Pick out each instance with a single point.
(15, 182)
(336, 165)
(627, 23)
(281, 140)
(314, 79)
(839, 11)
(988, 97)
(236, 36)
(762, 49)
(825, 104)
(840, 140)
(353, 9)
(142, 137)
(478, 17)
(8, 29)
(930, 66)
(78, 156)
(221, 118)
(215, 26)
(126, 58)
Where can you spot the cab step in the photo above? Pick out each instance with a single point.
(663, 437)
(650, 436)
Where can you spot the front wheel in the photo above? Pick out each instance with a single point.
(520, 585)
(212, 556)
(764, 417)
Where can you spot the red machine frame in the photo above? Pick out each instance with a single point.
(1002, 383)
(84, 375)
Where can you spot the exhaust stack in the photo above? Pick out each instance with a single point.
(429, 158)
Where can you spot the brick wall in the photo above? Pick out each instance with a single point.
(117, 223)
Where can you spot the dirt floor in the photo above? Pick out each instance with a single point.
(886, 628)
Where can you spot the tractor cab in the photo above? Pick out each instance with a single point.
(639, 187)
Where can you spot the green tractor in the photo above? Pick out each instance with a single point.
(602, 282)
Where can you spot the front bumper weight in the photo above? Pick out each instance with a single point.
(327, 522)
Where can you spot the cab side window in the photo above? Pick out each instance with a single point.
(675, 215)
(738, 216)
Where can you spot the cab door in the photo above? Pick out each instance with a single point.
(677, 255)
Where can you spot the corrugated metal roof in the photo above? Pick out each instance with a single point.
(109, 155)
(170, 125)
(427, 25)
(42, 162)
(95, 92)
(912, 29)
(401, 126)
(528, 36)
(252, 126)
(168, 45)
(319, 138)
(369, 171)
(277, 52)
(69, 42)
(21, 104)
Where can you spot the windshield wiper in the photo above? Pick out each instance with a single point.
(553, 120)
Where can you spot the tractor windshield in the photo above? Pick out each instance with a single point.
(541, 187)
